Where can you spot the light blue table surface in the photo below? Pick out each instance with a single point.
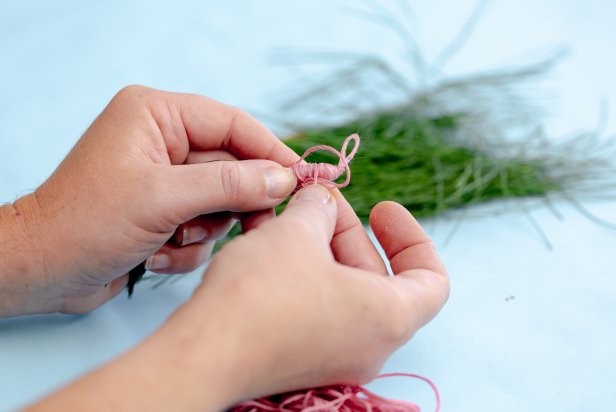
(552, 347)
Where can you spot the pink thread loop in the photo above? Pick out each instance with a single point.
(324, 173)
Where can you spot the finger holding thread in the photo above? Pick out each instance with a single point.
(248, 220)
(238, 186)
(312, 215)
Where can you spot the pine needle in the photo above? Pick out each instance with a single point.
(413, 161)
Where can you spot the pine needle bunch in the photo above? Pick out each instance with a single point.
(435, 143)
(413, 161)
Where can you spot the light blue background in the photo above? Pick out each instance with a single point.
(550, 348)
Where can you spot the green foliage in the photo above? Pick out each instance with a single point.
(414, 161)
(448, 142)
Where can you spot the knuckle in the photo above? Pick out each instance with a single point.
(131, 91)
(130, 98)
(237, 114)
(231, 180)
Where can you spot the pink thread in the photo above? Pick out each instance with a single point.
(336, 398)
(324, 173)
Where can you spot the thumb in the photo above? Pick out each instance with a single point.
(310, 215)
(239, 186)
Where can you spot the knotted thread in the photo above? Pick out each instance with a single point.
(336, 398)
(324, 173)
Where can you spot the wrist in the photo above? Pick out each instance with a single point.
(205, 365)
(221, 351)
(23, 274)
(171, 370)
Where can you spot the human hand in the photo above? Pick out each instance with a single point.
(304, 300)
(128, 189)
(301, 300)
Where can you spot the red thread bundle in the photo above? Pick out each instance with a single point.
(337, 398)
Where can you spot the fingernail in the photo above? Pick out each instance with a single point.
(193, 234)
(158, 261)
(315, 193)
(279, 182)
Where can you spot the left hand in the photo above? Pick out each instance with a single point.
(128, 187)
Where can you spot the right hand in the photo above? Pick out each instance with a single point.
(305, 300)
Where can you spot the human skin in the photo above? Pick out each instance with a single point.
(300, 300)
(127, 190)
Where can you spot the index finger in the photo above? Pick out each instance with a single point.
(211, 125)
